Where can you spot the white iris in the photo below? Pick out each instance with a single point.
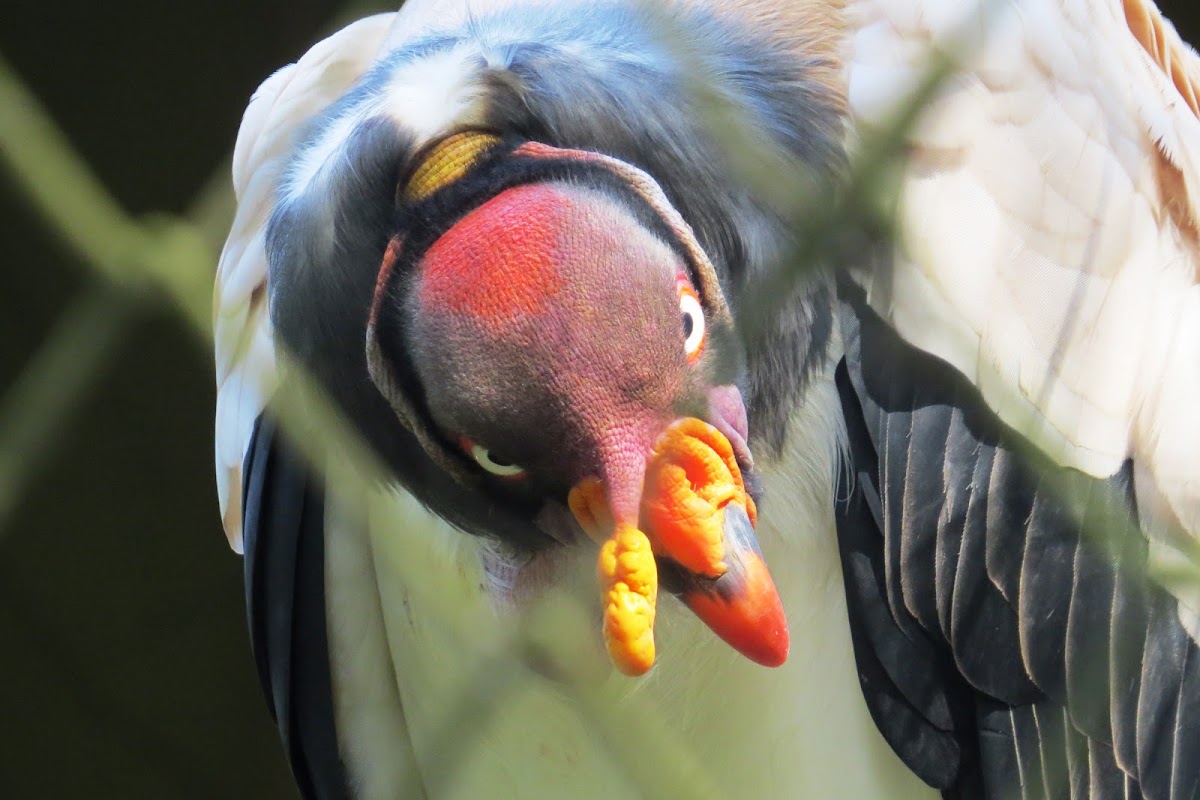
(484, 459)
(693, 322)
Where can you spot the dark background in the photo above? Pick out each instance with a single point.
(125, 669)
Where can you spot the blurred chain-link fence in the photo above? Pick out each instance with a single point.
(119, 665)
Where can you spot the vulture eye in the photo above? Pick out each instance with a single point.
(494, 465)
(693, 322)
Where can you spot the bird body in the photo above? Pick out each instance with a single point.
(723, 708)
(1042, 298)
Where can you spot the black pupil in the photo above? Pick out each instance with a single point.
(688, 325)
(499, 462)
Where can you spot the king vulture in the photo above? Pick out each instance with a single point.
(923, 522)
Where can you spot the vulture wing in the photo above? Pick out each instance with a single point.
(1027, 450)
(244, 352)
(279, 500)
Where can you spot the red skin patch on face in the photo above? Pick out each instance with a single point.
(502, 261)
(547, 322)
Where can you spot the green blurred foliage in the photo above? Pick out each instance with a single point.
(125, 669)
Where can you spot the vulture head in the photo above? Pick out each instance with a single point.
(529, 311)
(549, 329)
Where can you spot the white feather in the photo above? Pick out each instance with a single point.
(1039, 254)
(371, 725)
(244, 355)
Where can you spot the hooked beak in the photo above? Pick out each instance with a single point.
(741, 606)
(696, 524)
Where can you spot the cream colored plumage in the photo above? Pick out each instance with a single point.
(244, 349)
(1048, 224)
(1048, 251)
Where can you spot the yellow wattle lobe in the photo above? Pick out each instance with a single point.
(628, 578)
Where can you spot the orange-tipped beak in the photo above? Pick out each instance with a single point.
(698, 518)
(741, 606)
(697, 512)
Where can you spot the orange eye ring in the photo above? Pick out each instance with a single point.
(692, 313)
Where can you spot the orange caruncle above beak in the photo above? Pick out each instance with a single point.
(691, 477)
(696, 512)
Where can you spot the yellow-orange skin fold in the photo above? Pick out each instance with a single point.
(628, 580)
(690, 478)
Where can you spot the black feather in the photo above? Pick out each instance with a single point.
(283, 521)
(1066, 671)
(904, 680)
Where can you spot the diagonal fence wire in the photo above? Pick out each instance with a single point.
(171, 260)
(130, 260)
(133, 261)
(167, 259)
(50, 389)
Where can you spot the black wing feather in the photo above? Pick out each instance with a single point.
(1088, 646)
(979, 612)
(1007, 636)
(905, 680)
(283, 522)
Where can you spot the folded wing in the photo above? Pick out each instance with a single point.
(1048, 228)
(1028, 453)
(245, 360)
